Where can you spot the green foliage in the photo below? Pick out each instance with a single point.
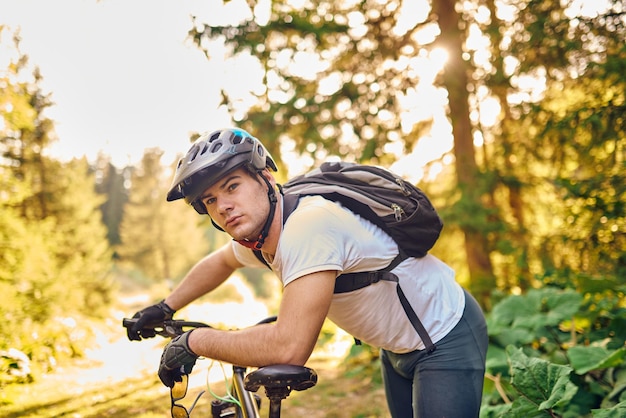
(363, 360)
(160, 238)
(111, 183)
(335, 77)
(541, 385)
(55, 259)
(587, 358)
(559, 154)
(557, 353)
(543, 194)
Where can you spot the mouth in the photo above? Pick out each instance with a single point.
(232, 220)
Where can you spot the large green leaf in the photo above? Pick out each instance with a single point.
(618, 411)
(515, 336)
(539, 307)
(549, 307)
(619, 386)
(495, 411)
(586, 358)
(496, 360)
(544, 384)
(524, 408)
(507, 310)
(522, 319)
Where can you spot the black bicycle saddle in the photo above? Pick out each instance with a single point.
(281, 376)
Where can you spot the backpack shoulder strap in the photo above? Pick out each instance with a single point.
(259, 256)
(290, 202)
(353, 281)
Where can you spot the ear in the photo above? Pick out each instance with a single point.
(266, 173)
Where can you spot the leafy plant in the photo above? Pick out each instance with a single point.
(557, 353)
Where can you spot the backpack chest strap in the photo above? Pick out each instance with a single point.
(350, 282)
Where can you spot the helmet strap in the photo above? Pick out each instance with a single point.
(271, 195)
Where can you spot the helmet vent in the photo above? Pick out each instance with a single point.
(214, 136)
(216, 147)
(193, 153)
(236, 139)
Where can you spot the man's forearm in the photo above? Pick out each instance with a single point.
(256, 346)
(205, 276)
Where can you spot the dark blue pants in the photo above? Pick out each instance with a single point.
(447, 383)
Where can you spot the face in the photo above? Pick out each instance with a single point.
(238, 204)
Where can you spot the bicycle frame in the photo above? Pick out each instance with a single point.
(249, 406)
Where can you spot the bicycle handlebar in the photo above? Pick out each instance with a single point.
(170, 328)
(175, 327)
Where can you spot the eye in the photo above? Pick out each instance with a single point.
(209, 200)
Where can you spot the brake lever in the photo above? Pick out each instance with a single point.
(171, 329)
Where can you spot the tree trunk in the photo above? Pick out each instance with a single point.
(455, 80)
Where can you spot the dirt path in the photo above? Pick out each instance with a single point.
(117, 377)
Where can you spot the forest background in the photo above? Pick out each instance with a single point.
(532, 195)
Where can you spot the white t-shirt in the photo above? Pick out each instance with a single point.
(322, 235)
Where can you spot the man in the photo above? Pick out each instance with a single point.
(227, 175)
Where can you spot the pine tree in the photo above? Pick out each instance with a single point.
(59, 259)
(160, 238)
(110, 182)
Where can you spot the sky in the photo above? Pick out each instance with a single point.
(122, 75)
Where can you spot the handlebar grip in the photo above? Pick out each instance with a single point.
(129, 322)
(148, 330)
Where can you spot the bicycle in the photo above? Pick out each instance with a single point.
(277, 380)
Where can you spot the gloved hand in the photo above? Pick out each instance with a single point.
(150, 317)
(177, 359)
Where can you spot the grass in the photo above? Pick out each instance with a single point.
(337, 395)
(140, 397)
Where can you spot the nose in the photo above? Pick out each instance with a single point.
(224, 205)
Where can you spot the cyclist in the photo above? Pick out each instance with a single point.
(227, 174)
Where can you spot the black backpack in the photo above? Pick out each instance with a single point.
(398, 207)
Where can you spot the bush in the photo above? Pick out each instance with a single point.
(557, 353)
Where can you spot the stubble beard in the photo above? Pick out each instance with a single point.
(243, 235)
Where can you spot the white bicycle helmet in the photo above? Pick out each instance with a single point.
(210, 158)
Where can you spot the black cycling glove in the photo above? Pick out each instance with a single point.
(147, 319)
(177, 360)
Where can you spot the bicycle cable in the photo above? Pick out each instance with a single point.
(229, 396)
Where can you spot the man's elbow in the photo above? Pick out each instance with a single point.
(294, 353)
(296, 359)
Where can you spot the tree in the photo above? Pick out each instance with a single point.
(160, 238)
(561, 142)
(335, 76)
(111, 183)
(58, 260)
(456, 79)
